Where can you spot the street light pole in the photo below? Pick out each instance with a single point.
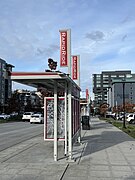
(124, 122)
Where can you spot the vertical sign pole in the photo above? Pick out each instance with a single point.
(124, 122)
(55, 123)
(78, 61)
(69, 51)
(69, 121)
(66, 119)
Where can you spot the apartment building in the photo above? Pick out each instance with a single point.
(102, 82)
(5, 83)
(28, 100)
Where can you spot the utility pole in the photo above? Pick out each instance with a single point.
(124, 122)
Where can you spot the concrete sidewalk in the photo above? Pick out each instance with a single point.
(109, 154)
(106, 153)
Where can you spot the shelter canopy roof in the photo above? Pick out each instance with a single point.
(44, 79)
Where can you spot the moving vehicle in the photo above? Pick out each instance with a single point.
(27, 116)
(37, 118)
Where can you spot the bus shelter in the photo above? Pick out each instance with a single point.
(61, 110)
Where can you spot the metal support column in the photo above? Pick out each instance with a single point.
(79, 138)
(69, 121)
(55, 123)
(66, 119)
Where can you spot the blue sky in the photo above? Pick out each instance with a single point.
(102, 33)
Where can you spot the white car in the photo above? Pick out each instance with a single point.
(130, 118)
(37, 118)
(27, 116)
(4, 116)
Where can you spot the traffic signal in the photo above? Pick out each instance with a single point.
(52, 64)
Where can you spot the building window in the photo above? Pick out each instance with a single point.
(122, 76)
(128, 75)
(105, 76)
(98, 81)
(113, 76)
(105, 85)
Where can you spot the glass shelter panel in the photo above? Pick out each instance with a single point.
(49, 118)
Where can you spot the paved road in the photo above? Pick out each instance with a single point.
(16, 132)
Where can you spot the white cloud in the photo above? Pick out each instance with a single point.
(95, 36)
(126, 50)
(29, 34)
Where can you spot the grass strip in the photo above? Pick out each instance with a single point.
(130, 128)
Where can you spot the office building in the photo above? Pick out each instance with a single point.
(102, 83)
(122, 91)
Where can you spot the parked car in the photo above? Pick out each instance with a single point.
(130, 118)
(27, 115)
(4, 116)
(14, 114)
(120, 116)
(111, 115)
(37, 118)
